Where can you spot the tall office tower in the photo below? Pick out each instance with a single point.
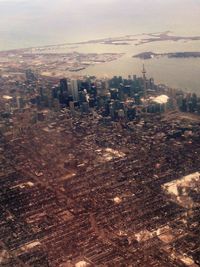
(114, 93)
(184, 107)
(151, 84)
(30, 76)
(63, 85)
(72, 107)
(198, 108)
(41, 92)
(121, 92)
(134, 77)
(7, 107)
(93, 90)
(20, 102)
(99, 88)
(194, 100)
(54, 92)
(83, 96)
(74, 89)
(102, 87)
(179, 100)
(144, 80)
(112, 110)
(131, 113)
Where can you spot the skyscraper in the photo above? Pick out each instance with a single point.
(144, 80)
(63, 85)
(74, 89)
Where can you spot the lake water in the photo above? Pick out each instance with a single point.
(26, 23)
(174, 72)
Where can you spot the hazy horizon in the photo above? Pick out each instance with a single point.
(27, 23)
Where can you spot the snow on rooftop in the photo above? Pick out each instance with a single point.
(186, 260)
(7, 97)
(81, 264)
(177, 189)
(143, 235)
(23, 185)
(31, 245)
(117, 200)
(109, 154)
(172, 187)
(161, 99)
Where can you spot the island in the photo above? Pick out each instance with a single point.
(150, 55)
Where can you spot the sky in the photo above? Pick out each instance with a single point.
(41, 22)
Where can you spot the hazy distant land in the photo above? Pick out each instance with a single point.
(137, 39)
(149, 55)
(141, 39)
(166, 36)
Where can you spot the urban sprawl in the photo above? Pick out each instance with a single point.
(98, 172)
